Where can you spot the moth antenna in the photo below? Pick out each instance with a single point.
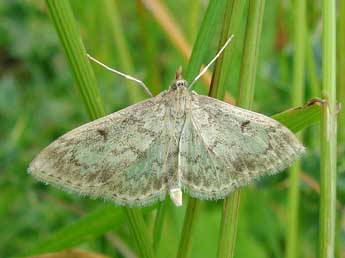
(141, 83)
(210, 63)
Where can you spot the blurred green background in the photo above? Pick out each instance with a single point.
(39, 102)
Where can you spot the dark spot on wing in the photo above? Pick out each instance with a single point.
(103, 133)
(244, 124)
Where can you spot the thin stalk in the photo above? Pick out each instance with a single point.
(328, 132)
(314, 83)
(150, 47)
(340, 249)
(313, 77)
(205, 36)
(140, 232)
(299, 10)
(185, 245)
(159, 223)
(112, 13)
(283, 65)
(228, 231)
(65, 24)
(231, 25)
(193, 15)
(340, 73)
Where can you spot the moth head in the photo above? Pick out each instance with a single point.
(179, 83)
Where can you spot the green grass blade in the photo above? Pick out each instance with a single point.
(205, 36)
(340, 246)
(297, 95)
(296, 119)
(140, 233)
(66, 27)
(314, 84)
(159, 223)
(151, 48)
(62, 17)
(92, 225)
(231, 25)
(340, 73)
(112, 11)
(193, 15)
(185, 245)
(228, 230)
(328, 139)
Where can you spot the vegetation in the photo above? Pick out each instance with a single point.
(272, 65)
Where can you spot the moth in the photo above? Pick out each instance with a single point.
(177, 140)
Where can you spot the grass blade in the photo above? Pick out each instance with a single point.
(62, 17)
(205, 36)
(159, 223)
(193, 15)
(151, 48)
(299, 118)
(228, 231)
(340, 247)
(340, 73)
(328, 132)
(139, 232)
(314, 84)
(92, 225)
(188, 227)
(66, 27)
(297, 99)
(110, 8)
(231, 25)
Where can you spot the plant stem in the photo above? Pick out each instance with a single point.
(151, 48)
(188, 227)
(328, 132)
(231, 25)
(340, 249)
(193, 15)
(314, 84)
(297, 100)
(140, 233)
(340, 73)
(228, 229)
(111, 10)
(228, 232)
(159, 223)
(205, 36)
(65, 24)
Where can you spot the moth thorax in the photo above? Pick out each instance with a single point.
(179, 84)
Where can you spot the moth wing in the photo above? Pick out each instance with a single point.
(120, 157)
(223, 147)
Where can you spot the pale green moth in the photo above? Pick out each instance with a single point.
(177, 140)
